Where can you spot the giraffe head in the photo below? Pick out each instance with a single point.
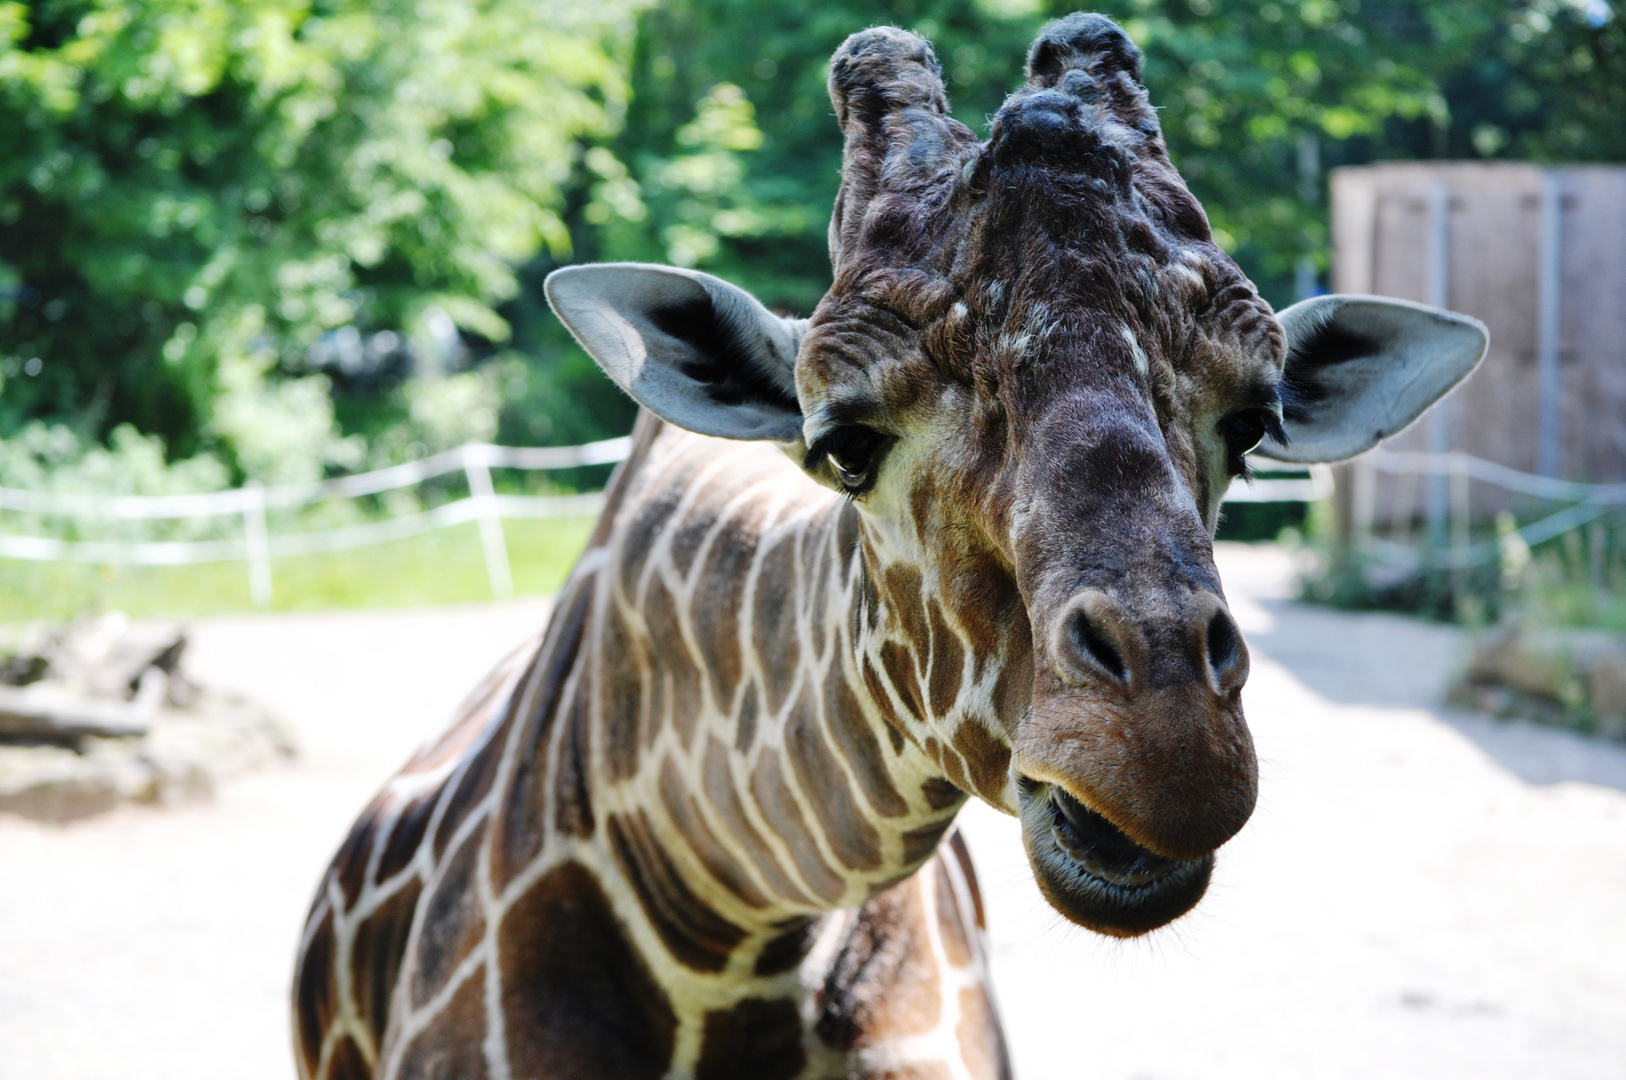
(1035, 375)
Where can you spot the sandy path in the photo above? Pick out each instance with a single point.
(1421, 894)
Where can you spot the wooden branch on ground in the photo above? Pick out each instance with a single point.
(54, 714)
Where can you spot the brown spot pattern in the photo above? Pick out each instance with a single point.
(573, 798)
(453, 921)
(523, 812)
(745, 733)
(819, 568)
(772, 794)
(673, 662)
(348, 1062)
(472, 786)
(1013, 688)
(379, 946)
(921, 842)
(900, 669)
(350, 864)
(853, 736)
(787, 950)
(315, 991)
(641, 531)
(883, 700)
(851, 837)
(987, 759)
(719, 785)
(620, 699)
(900, 588)
(968, 871)
(691, 824)
(577, 1001)
(406, 835)
(758, 1039)
(947, 664)
(717, 619)
(443, 1050)
(687, 536)
(773, 625)
(940, 794)
(693, 933)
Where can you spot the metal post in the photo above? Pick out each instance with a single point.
(1597, 540)
(1305, 284)
(1404, 508)
(1439, 294)
(1549, 286)
(257, 544)
(1459, 525)
(492, 543)
(1364, 502)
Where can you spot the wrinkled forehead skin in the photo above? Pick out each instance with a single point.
(1059, 271)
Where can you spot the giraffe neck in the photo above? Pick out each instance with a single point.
(744, 738)
(661, 838)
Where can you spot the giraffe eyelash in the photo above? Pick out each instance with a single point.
(853, 455)
(1243, 432)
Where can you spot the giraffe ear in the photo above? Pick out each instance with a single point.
(691, 348)
(1360, 368)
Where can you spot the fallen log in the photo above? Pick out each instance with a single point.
(51, 713)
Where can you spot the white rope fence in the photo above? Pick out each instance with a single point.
(1588, 503)
(257, 546)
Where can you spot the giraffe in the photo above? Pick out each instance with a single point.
(950, 538)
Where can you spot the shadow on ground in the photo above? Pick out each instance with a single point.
(1374, 658)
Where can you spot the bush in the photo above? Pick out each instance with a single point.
(195, 192)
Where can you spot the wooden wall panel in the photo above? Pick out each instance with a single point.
(1381, 229)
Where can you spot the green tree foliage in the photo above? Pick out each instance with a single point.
(197, 192)
(1251, 94)
(729, 160)
(1246, 88)
(726, 89)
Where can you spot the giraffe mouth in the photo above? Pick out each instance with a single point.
(1096, 876)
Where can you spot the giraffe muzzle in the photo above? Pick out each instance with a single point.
(1095, 875)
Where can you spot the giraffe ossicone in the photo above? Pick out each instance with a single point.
(949, 538)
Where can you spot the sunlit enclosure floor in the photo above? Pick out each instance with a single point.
(1422, 893)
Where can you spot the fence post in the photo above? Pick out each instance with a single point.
(1337, 483)
(256, 544)
(492, 543)
(1549, 296)
(1363, 502)
(1436, 503)
(1459, 525)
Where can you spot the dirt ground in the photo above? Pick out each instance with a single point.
(1422, 893)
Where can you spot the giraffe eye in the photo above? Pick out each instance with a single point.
(853, 454)
(1243, 432)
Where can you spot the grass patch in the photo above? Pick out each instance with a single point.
(442, 567)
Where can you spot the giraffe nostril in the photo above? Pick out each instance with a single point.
(1224, 647)
(1090, 642)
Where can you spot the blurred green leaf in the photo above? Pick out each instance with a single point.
(196, 192)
